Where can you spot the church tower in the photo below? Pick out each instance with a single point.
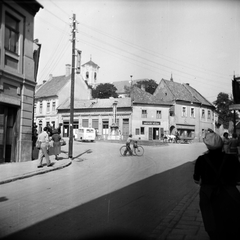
(90, 72)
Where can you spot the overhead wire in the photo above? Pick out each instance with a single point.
(130, 44)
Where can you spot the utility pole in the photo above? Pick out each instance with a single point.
(70, 149)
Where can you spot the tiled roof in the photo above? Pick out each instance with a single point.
(91, 63)
(52, 87)
(185, 92)
(141, 96)
(97, 103)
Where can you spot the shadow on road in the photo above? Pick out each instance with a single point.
(131, 212)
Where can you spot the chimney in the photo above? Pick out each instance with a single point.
(50, 77)
(68, 70)
(143, 87)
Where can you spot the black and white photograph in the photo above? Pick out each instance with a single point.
(120, 119)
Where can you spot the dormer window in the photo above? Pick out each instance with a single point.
(87, 75)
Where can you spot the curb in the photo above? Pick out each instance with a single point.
(27, 175)
(166, 225)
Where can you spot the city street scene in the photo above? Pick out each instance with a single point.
(120, 119)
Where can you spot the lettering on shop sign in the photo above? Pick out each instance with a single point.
(150, 123)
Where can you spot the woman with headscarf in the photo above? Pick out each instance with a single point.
(218, 174)
(56, 137)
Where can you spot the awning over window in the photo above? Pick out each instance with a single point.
(185, 126)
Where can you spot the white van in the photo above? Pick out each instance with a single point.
(86, 134)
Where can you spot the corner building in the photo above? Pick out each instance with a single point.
(17, 79)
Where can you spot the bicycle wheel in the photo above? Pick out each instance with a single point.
(138, 151)
(122, 150)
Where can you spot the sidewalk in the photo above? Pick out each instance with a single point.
(14, 171)
(184, 222)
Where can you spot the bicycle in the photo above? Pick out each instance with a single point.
(137, 150)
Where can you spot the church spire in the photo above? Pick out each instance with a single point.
(171, 79)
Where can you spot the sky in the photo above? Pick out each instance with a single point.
(197, 42)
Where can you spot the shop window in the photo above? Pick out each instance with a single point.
(85, 122)
(144, 113)
(142, 131)
(159, 114)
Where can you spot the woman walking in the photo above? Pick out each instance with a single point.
(56, 137)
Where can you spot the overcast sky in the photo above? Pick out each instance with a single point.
(198, 42)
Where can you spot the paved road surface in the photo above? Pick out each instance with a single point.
(100, 191)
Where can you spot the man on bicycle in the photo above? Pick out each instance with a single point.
(128, 148)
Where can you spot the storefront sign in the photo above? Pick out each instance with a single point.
(151, 123)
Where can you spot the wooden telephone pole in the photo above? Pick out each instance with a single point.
(70, 149)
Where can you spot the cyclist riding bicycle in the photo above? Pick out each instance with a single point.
(128, 143)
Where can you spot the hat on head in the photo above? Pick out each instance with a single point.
(213, 141)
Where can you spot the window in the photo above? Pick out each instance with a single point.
(48, 107)
(203, 113)
(85, 122)
(11, 42)
(95, 76)
(184, 111)
(54, 106)
(144, 113)
(159, 114)
(35, 108)
(192, 112)
(87, 75)
(40, 107)
(209, 114)
(137, 131)
(142, 130)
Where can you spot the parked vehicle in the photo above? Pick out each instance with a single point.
(86, 134)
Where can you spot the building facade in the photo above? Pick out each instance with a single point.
(141, 115)
(17, 79)
(53, 93)
(191, 113)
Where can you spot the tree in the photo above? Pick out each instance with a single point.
(105, 90)
(222, 108)
(150, 86)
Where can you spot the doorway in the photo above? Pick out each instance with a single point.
(8, 133)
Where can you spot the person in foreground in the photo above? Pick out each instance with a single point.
(218, 174)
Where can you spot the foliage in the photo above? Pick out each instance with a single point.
(105, 90)
(150, 86)
(222, 108)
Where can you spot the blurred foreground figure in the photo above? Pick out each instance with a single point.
(218, 174)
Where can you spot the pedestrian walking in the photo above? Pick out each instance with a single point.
(56, 137)
(43, 139)
(128, 145)
(225, 142)
(218, 174)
